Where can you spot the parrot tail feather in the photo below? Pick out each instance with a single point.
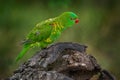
(22, 53)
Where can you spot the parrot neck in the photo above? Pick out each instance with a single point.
(65, 22)
(58, 25)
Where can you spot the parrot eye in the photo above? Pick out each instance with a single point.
(72, 18)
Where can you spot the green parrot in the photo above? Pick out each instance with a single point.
(46, 32)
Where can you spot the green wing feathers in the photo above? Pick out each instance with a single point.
(22, 53)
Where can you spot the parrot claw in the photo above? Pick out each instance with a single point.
(37, 44)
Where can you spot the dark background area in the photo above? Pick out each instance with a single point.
(99, 28)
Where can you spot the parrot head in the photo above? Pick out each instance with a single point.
(69, 19)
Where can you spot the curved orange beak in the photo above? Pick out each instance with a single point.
(76, 21)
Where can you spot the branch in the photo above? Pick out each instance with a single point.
(62, 61)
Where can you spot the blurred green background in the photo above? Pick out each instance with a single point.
(99, 29)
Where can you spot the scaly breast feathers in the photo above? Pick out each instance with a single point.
(56, 32)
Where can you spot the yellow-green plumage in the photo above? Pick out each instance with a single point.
(47, 32)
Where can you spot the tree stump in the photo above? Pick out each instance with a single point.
(61, 61)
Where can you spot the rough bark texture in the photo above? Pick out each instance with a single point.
(62, 61)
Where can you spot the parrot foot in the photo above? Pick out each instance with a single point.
(48, 40)
(37, 44)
